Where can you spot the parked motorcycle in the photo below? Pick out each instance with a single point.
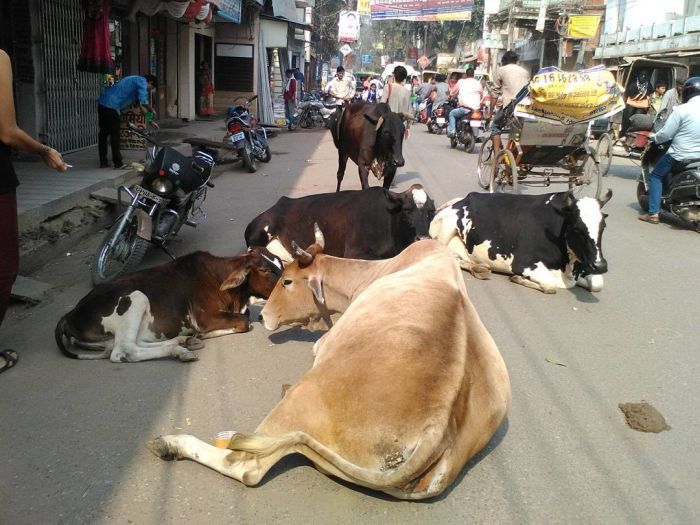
(312, 112)
(680, 194)
(247, 136)
(170, 195)
(471, 127)
(438, 119)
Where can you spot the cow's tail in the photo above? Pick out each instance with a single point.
(67, 343)
(397, 477)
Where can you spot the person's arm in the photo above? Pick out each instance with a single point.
(145, 102)
(385, 93)
(497, 86)
(10, 133)
(670, 128)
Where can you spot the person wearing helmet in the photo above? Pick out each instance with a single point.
(682, 129)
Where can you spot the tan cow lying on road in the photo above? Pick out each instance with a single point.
(405, 389)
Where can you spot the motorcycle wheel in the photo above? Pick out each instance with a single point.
(268, 155)
(306, 121)
(430, 127)
(125, 255)
(453, 142)
(469, 142)
(248, 159)
(642, 196)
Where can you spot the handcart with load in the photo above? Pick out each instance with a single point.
(547, 127)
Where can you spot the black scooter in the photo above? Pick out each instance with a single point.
(680, 195)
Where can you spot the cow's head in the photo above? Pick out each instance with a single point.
(414, 210)
(261, 268)
(298, 298)
(389, 143)
(584, 226)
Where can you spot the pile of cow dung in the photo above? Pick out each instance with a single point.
(643, 417)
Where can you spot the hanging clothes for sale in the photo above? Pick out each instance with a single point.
(96, 51)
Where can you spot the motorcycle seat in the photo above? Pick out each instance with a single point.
(693, 164)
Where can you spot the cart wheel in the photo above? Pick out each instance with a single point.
(485, 165)
(604, 152)
(504, 173)
(589, 184)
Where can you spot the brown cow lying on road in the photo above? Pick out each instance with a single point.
(155, 312)
(405, 388)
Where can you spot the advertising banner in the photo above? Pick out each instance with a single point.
(422, 10)
(583, 26)
(348, 26)
(363, 7)
(572, 97)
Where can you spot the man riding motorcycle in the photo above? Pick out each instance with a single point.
(683, 130)
(469, 95)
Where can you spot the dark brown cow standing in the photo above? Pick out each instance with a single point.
(155, 312)
(367, 132)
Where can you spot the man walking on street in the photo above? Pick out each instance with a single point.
(290, 95)
(121, 95)
(469, 94)
(508, 80)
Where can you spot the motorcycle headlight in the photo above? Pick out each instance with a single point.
(162, 185)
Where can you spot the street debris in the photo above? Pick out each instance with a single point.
(643, 417)
(554, 362)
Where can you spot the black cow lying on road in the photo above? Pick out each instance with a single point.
(367, 132)
(545, 241)
(155, 312)
(361, 224)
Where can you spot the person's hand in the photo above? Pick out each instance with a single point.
(155, 124)
(53, 159)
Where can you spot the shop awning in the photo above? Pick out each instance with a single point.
(185, 10)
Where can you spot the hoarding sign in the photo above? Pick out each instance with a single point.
(348, 26)
(422, 10)
(230, 10)
(583, 26)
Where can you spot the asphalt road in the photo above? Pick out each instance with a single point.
(72, 433)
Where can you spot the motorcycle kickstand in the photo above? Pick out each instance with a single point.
(167, 252)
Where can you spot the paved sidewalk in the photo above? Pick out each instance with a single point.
(44, 193)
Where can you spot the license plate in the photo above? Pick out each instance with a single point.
(238, 136)
(145, 193)
(440, 120)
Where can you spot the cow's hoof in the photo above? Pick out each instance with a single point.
(162, 449)
(188, 356)
(481, 271)
(193, 343)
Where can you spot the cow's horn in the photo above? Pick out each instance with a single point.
(320, 240)
(303, 256)
(379, 123)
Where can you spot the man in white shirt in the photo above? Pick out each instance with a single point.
(340, 87)
(469, 94)
(683, 130)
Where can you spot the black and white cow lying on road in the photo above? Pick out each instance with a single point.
(156, 312)
(369, 224)
(545, 241)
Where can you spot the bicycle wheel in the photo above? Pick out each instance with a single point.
(504, 173)
(588, 183)
(484, 167)
(604, 152)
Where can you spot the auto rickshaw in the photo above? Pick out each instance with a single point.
(608, 131)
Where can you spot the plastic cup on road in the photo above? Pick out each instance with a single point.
(222, 439)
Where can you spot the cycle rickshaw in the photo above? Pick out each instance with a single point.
(547, 128)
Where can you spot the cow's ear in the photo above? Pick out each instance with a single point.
(239, 272)
(606, 198)
(316, 285)
(394, 202)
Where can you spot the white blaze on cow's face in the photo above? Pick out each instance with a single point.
(585, 233)
(419, 197)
